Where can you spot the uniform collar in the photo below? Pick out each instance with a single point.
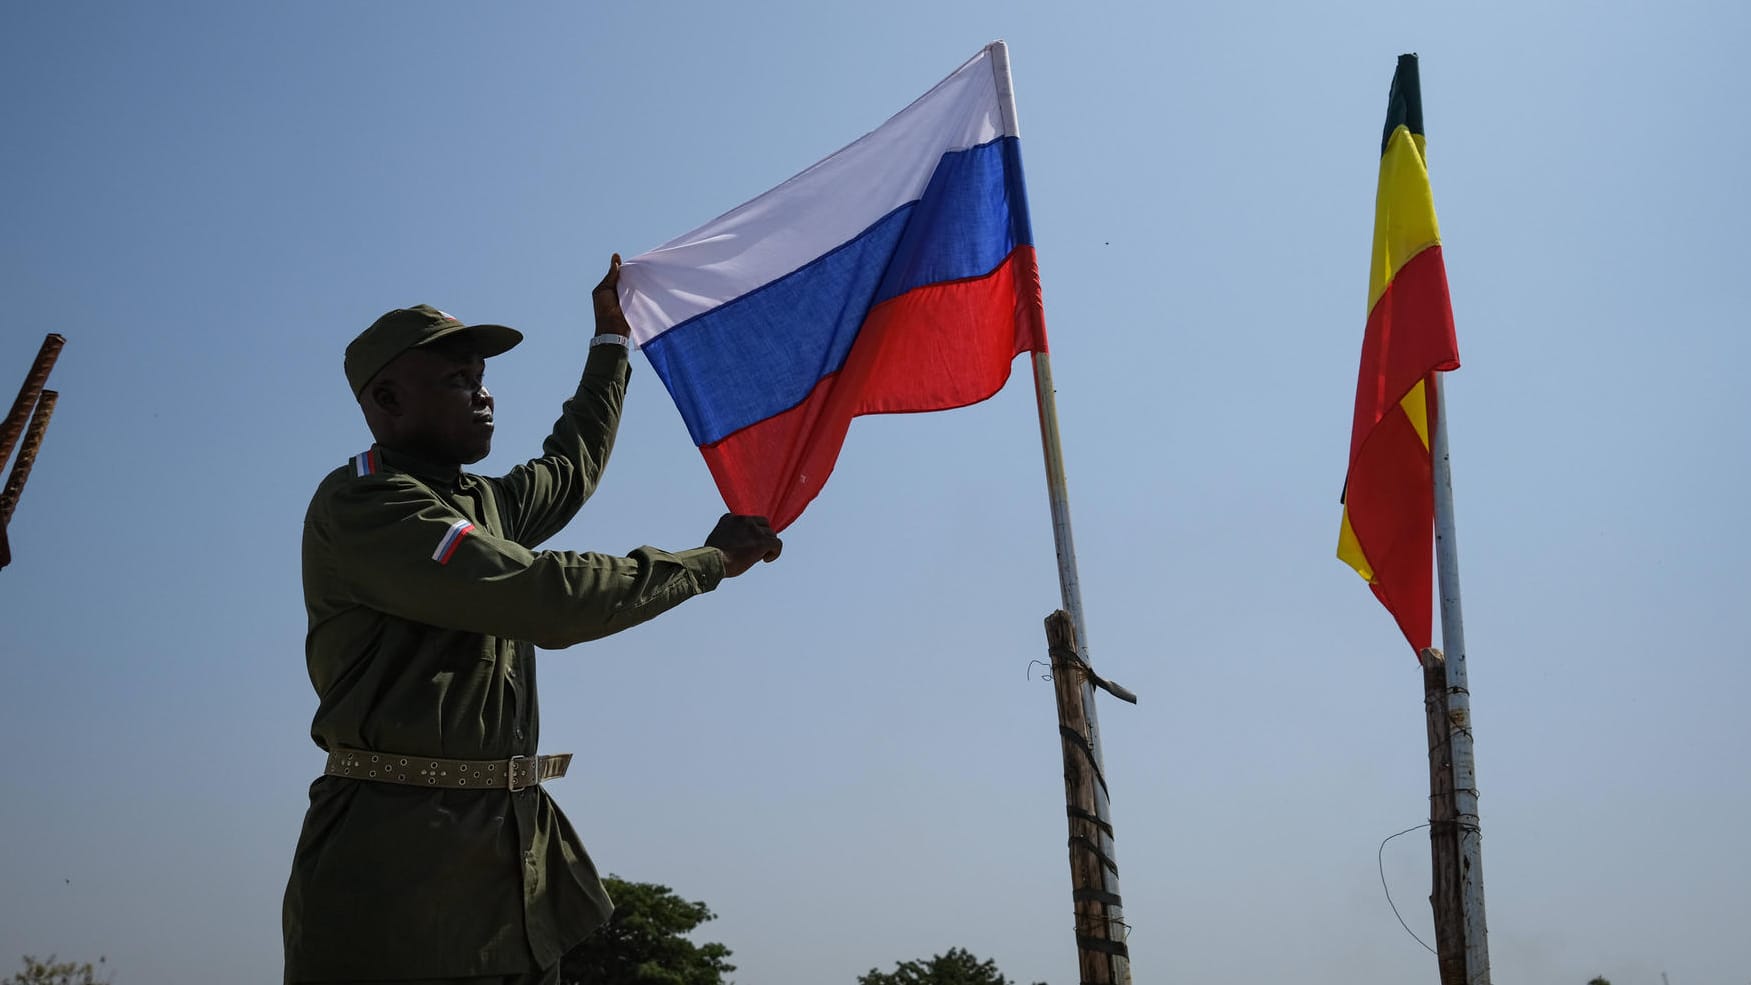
(401, 461)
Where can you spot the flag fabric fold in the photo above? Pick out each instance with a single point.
(1387, 530)
(897, 275)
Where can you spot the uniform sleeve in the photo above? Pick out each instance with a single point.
(538, 498)
(393, 546)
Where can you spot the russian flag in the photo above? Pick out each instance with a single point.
(897, 275)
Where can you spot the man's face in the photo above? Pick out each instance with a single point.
(446, 410)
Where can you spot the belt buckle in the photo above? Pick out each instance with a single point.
(531, 767)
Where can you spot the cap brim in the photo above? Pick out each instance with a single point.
(489, 340)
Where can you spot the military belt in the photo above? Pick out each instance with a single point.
(516, 773)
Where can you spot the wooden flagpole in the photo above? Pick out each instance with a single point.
(1103, 956)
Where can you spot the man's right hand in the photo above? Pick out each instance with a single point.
(743, 541)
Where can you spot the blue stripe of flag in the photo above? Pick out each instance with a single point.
(762, 353)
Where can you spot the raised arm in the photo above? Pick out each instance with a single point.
(540, 497)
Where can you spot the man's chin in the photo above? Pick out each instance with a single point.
(477, 453)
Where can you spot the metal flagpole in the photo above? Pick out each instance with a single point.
(1070, 589)
(1069, 586)
(1464, 767)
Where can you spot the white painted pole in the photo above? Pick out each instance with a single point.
(1057, 489)
(1069, 586)
(1477, 954)
(1056, 486)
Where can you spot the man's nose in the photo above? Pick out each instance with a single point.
(483, 397)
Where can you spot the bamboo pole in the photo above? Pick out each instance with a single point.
(34, 381)
(33, 441)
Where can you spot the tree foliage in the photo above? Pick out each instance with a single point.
(1600, 980)
(956, 967)
(644, 942)
(50, 972)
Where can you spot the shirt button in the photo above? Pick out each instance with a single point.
(517, 734)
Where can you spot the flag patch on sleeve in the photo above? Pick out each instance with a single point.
(452, 537)
(365, 463)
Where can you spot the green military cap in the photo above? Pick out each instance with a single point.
(409, 328)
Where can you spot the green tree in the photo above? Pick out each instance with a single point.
(1600, 980)
(644, 942)
(957, 967)
(51, 973)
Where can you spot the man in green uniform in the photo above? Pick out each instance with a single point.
(431, 852)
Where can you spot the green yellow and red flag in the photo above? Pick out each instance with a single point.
(1387, 532)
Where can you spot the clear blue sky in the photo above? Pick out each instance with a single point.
(842, 753)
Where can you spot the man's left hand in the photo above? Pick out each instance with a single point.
(610, 320)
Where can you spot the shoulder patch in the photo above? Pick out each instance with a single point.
(452, 538)
(365, 462)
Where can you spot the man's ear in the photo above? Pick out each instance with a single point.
(383, 397)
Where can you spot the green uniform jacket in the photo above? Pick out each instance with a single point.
(425, 595)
